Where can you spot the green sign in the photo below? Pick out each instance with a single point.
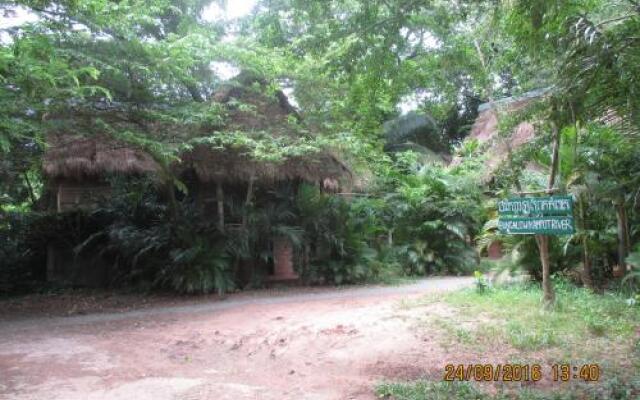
(526, 206)
(552, 225)
(536, 215)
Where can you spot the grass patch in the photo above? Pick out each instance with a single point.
(427, 390)
(520, 337)
(396, 281)
(582, 328)
(456, 334)
(577, 317)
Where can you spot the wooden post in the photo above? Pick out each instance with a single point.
(220, 201)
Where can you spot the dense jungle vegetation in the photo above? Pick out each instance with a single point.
(392, 85)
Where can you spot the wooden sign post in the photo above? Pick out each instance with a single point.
(542, 217)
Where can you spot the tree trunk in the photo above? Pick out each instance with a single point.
(171, 198)
(587, 279)
(555, 159)
(543, 240)
(623, 234)
(32, 194)
(220, 201)
(168, 181)
(306, 260)
(247, 201)
(548, 295)
(587, 276)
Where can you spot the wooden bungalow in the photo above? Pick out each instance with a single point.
(75, 166)
(485, 131)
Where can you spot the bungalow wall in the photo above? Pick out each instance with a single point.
(209, 195)
(64, 267)
(73, 195)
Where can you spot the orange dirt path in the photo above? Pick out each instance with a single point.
(328, 345)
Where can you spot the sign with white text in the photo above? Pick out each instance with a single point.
(536, 216)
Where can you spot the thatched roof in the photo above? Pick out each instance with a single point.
(261, 113)
(248, 110)
(78, 157)
(485, 131)
(229, 165)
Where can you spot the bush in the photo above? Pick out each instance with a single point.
(17, 258)
(198, 268)
(347, 230)
(24, 238)
(632, 279)
(420, 224)
(481, 283)
(433, 215)
(146, 245)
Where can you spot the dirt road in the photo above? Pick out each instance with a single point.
(328, 345)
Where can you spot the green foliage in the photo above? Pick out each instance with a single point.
(422, 389)
(429, 390)
(599, 59)
(21, 183)
(145, 246)
(141, 72)
(598, 166)
(447, 209)
(198, 268)
(367, 238)
(522, 338)
(482, 284)
(367, 56)
(632, 278)
(584, 52)
(345, 229)
(18, 256)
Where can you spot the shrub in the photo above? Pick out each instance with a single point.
(146, 246)
(632, 279)
(481, 282)
(197, 268)
(16, 256)
(24, 238)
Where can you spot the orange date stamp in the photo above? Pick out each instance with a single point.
(493, 373)
(520, 372)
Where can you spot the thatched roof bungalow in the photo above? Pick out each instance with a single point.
(82, 159)
(485, 131)
(260, 141)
